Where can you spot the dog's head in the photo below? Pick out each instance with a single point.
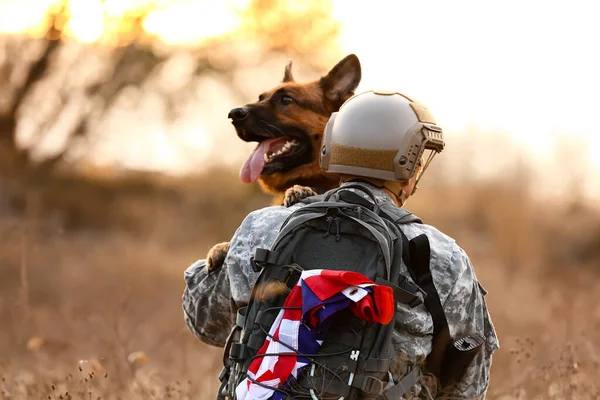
(288, 123)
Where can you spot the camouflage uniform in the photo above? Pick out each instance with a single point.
(211, 300)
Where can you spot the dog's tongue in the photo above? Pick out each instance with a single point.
(255, 163)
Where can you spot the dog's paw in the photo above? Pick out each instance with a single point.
(216, 256)
(296, 193)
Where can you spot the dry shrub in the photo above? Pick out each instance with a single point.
(110, 299)
(107, 289)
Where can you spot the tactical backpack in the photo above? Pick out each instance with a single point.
(340, 230)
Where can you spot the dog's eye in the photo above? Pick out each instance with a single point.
(261, 97)
(285, 100)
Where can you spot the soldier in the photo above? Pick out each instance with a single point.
(385, 141)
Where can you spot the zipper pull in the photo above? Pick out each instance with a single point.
(329, 221)
(337, 229)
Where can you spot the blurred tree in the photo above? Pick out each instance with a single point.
(55, 91)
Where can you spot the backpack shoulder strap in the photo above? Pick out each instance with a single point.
(312, 199)
(398, 215)
(325, 195)
(416, 256)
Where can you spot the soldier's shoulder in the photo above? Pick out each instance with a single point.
(437, 238)
(267, 217)
(448, 259)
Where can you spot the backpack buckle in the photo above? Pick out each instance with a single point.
(415, 302)
(237, 351)
(224, 374)
(413, 289)
(372, 385)
(263, 257)
(255, 267)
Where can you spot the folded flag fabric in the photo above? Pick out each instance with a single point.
(302, 323)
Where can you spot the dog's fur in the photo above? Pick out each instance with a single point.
(304, 119)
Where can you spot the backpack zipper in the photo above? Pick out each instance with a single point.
(329, 220)
(337, 228)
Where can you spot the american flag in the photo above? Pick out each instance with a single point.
(303, 322)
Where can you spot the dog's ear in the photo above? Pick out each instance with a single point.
(339, 84)
(287, 75)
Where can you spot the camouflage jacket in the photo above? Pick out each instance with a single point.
(210, 301)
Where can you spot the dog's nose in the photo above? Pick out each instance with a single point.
(238, 114)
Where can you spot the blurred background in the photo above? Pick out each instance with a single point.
(119, 168)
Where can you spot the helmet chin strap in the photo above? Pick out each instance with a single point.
(420, 172)
(404, 196)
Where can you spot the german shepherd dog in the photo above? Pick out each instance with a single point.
(288, 123)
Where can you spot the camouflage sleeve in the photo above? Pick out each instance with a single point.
(210, 301)
(259, 230)
(467, 312)
(207, 307)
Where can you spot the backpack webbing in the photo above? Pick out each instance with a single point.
(417, 259)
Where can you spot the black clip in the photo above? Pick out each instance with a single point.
(237, 352)
(255, 266)
(224, 374)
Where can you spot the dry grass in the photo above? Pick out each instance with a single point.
(96, 312)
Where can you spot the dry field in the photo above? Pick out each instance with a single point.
(90, 297)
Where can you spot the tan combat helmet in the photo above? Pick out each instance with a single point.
(383, 135)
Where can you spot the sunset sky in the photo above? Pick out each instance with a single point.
(528, 69)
